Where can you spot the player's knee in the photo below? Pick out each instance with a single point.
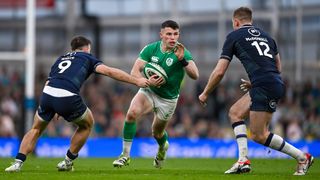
(157, 135)
(132, 115)
(234, 115)
(258, 137)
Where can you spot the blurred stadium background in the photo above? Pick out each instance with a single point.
(119, 29)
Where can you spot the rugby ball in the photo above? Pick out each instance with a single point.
(153, 68)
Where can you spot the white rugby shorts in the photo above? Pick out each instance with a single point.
(163, 108)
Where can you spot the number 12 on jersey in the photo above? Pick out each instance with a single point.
(258, 47)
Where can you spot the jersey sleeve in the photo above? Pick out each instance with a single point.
(94, 63)
(145, 53)
(227, 50)
(188, 55)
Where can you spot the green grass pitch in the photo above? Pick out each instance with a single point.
(141, 168)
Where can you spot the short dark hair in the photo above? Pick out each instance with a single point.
(243, 13)
(171, 24)
(78, 42)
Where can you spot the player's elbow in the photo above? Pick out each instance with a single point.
(107, 71)
(194, 75)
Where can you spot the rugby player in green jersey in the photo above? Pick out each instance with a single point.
(161, 97)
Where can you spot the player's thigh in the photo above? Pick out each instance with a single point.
(45, 110)
(240, 109)
(38, 123)
(71, 108)
(265, 98)
(85, 121)
(259, 122)
(164, 110)
(139, 106)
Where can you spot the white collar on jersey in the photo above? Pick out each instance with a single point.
(246, 25)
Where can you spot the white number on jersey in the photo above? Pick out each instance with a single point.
(266, 50)
(64, 65)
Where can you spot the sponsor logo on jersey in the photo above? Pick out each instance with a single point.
(154, 59)
(254, 32)
(169, 61)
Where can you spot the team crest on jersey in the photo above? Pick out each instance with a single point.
(154, 59)
(273, 104)
(254, 32)
(169, 61)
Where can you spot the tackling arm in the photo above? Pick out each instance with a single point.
(121, 75)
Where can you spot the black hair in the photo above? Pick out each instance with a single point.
(171, 24)
(78, 42)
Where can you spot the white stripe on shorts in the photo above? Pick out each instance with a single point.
(57, 92)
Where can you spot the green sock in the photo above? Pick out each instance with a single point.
(163, 139)
(129, 131)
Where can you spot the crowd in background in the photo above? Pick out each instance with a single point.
(297, 116)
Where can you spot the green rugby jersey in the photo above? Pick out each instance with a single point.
(169, 62)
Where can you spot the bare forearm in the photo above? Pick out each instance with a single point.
(136, 74)
(216, 75)
(121, 76)
(192, 70)
(116, 74)
(213, 81)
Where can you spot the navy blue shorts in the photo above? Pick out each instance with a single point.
(266, 97)
(70, 108)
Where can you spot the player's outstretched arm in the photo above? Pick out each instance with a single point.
(214, 79)
(120, 75)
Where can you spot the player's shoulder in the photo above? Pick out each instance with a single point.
(154, 44)
(234, 34)
(83, 54)
(87, 56)
(150, 47)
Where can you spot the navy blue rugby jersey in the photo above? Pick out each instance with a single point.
(256, 50)
(71, 70)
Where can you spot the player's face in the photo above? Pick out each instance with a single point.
(169, 37)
